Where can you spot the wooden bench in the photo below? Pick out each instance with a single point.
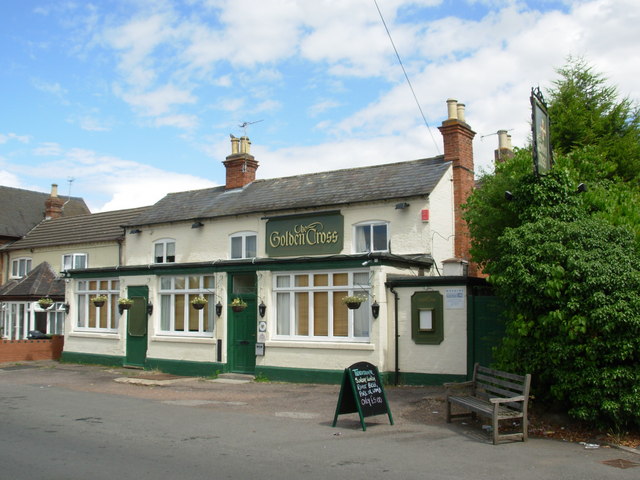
(492, 394)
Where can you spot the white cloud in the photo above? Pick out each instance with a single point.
(159, 101)
(48, 149)
(7, 137)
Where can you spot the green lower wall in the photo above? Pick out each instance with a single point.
(274, 374)
(91, 358)
(182, 367)
(300, 375)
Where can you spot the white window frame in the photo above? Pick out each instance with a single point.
(73, 259)
(187, 287)
(355, 286)
(370, 234)
(165, 244)
(86, 289)
(243, 236)
(20, 265)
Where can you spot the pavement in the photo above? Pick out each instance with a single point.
(414, 409)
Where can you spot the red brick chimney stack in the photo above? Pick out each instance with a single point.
(53, 205)
(458, 149)
(241, 165)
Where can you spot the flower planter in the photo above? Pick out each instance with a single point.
(353, 305)
(98, 303)
(238, 308)
(198, 306)
(123, 306)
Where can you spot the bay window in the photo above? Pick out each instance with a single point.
(309, 306)
(98, 319)
(177, 316)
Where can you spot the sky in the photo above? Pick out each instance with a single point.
(123, 101)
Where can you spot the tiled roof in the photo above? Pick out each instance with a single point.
(40, 282)
(21, 210)
(95, 227)
(316, 190)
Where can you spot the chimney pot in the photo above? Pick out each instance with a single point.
(452, 108)
(502, 139)
(234, 145)
(460, 112)
(54, 190)
(245, 145)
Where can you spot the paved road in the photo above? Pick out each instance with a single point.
(67, 422)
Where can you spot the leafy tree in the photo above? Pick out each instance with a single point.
(568, 263)
(585, 111)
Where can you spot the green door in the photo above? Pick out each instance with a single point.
(137, 318)
(242, 326)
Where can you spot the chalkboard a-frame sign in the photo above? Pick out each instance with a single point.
(362, 392)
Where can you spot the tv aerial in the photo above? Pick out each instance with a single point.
(244, 125)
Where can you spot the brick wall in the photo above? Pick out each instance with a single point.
(25, 350)
(241, 170)
(458, 149)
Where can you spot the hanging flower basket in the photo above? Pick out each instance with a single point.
(124, 304)
(45, 303)
(99, 300)
(238, 305)
(199, 302)
(353, 302)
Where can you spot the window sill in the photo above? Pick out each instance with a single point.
(320, 345)
(176, 339)
(107, 335)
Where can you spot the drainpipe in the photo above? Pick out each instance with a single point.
(397, 335)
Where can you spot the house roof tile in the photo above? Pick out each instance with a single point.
(315, 190)
(95, 227)
(23, 209)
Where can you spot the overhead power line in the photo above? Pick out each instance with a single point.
(407, 77)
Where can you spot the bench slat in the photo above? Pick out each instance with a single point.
(518, 387)
(500, 373)
(485, 408)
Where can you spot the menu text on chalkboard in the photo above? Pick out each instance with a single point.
(362, 392)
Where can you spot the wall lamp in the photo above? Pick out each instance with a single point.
(262, 309)
(134, 231)
(219, 309)
(401, 205)
(149, 308)
(375, 309)
(582, 188)
(66, 308)
(197, 225)
(508, 195)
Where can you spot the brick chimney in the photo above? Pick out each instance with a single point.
(241, 165)
(53, 205)
(458, 149)
(504, 151)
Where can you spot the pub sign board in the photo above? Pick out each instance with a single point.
(542, 159)
(295, 235)
(362, 392)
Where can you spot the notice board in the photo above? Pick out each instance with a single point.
(362, 392)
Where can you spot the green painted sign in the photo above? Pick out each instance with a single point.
(320, 234)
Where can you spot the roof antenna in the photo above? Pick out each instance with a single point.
(69, 181)
(244, 125)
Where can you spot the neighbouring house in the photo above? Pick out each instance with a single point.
(275, 259)
(54, 247)
(21, 211)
